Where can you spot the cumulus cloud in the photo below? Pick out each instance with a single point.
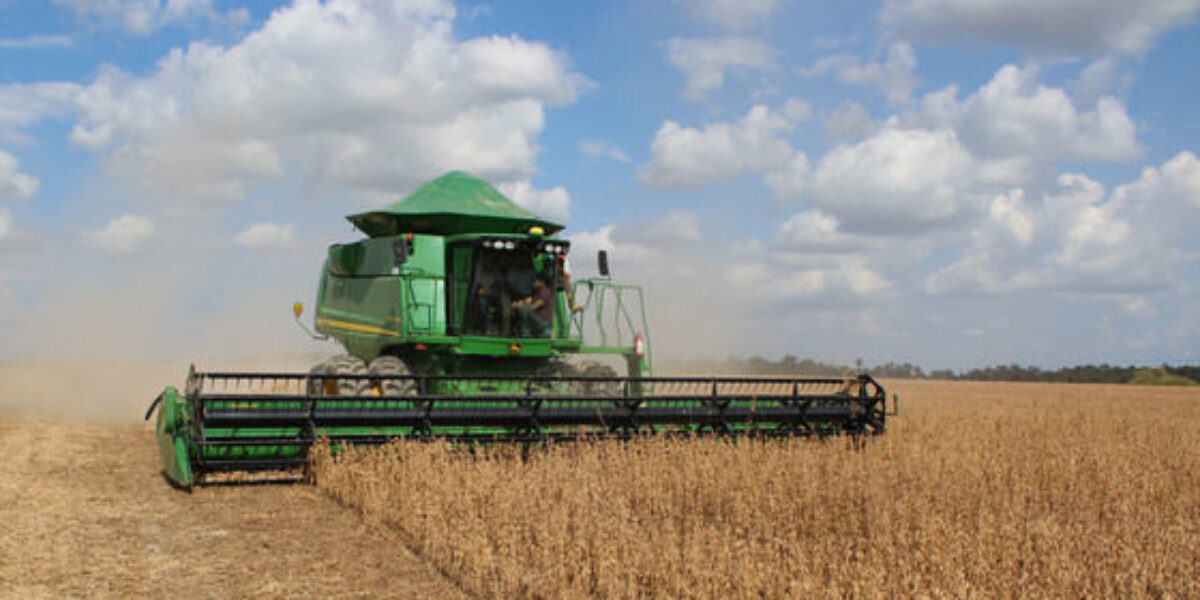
(1077, 238)
(894, 76)
(1013, 115)
(123, 235)
(732, 14)
(705, 61)
(603, 149)
(687, 158)
(14, 185)
(942, 163)
(554, 203)
(900, 180)
(378, 96)
(144, 16)
(267, 236)
(1064, 27)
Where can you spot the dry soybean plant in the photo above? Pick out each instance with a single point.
(978, 490)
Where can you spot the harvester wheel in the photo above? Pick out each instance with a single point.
(591, 369)
(396, 384)
(318, 386)
(344, 364)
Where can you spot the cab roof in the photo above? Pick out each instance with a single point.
(452, 204)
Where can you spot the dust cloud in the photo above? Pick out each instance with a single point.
(99, 341)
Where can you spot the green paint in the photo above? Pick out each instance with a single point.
(173, 447)
(451, 204)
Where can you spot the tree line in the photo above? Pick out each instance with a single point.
(792, 365)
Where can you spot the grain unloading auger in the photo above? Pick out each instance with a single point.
(459, 317)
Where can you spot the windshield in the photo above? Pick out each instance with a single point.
(511, 293)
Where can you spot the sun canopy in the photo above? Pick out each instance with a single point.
(452, 204)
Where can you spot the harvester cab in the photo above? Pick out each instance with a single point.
(460, 319)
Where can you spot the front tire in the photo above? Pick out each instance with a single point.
(395, 378)
(329, 381)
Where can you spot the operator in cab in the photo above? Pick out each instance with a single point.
(535, 313)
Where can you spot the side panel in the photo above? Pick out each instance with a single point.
(370, 300)
(424, 287)
(171, 432)
(425, 298)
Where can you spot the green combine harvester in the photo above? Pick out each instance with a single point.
(460, 321)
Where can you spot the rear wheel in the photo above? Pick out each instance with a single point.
(606, 384)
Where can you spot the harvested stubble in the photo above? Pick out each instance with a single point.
(980, 490)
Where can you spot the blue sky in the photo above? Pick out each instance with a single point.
(952, 183)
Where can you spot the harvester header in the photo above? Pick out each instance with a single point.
(460, 320)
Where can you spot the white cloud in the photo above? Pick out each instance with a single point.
(791, 180)
(267, 235)
(1012, 215)
(894, 77)
(379, 96)
(35, 41)
(732, 14)
(586, 244)
(646, 243)
(1101, 78)
(815, 231)
(603, 149)
(6, 226)
(1015, 117)
(1138, 306)
(850, 121)
(1176, 184)
(554, 203)
(797, 110)
(842, 280)
(899, 180)
(1070, 27)
(999, 257)
(687, 158)
(22, 104)
(123, 235)
(942, 163)
(1077, 239)
(144, 16)
(14, 185)
(707, 60)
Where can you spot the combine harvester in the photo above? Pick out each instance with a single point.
(458, 316)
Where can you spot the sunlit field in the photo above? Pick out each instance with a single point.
(977, 490)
